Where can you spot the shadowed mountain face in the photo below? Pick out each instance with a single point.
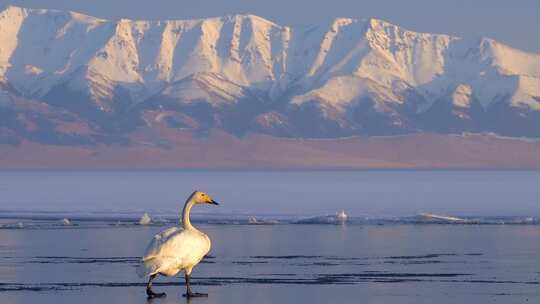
(71, 79)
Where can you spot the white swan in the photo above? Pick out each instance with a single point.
(176, 249)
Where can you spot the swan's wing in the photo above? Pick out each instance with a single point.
(156, 245)
(152, 260)
(172, 249)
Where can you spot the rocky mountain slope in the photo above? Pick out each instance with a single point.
(71, 79)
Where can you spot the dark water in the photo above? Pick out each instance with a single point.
(384, 254)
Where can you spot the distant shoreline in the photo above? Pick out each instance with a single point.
(222, 151)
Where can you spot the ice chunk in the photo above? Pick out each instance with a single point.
(145, 219)
(342, 216)
(65, 222)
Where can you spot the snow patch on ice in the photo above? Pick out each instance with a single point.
(145, 219)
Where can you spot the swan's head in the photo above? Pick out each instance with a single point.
(200, 197)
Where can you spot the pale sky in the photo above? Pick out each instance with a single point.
(516, 22)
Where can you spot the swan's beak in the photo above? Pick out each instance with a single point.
(213, 202)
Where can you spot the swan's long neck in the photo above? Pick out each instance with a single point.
(186, 223)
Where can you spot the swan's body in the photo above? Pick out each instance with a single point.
(176, 249)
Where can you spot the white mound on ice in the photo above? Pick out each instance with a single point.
(145, 219)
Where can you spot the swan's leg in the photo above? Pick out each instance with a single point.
(190, 294)
(149, 292)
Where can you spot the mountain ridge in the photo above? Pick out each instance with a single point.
(90, 80)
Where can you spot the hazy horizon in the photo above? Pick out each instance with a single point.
(360, 193)
(511, 23)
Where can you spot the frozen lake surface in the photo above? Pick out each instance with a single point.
(403, 263)
(383, 254)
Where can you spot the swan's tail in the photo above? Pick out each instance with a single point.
(147, 268)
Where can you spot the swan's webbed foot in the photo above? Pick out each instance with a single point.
(190, 294)
(195, 295)
(150, 294)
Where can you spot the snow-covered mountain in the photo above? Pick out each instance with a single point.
(86, 79)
